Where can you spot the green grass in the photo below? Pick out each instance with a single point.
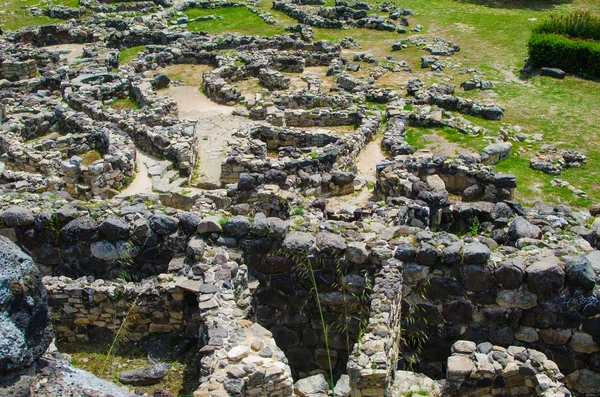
(90, 156)
(129, 54)
(235, 20)
(15, 17)
(124, 104)
(180, 380)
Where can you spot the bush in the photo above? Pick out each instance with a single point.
(579, 24)
(551, 50)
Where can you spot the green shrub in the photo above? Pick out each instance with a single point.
(578, 24)
(582, 57)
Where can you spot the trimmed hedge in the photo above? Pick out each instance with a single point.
(575, 56)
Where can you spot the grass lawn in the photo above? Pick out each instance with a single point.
(129, 54)
(124, 104)
(235, 20)
(13, 16)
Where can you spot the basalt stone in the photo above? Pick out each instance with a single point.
(209, 224)
(430, 314)
(405, 253)
(441, 288)
(161, 81)
(592, 326)
(104, 250)
(115, 228)
(356, 252)
(522, 228)
(475, 253)
(17, 217)
(238, 226)
(331, 244)
(155, 255)
(189, 221)
(475, 277)
(163, 224)
(298, 241)
(24, 317)
(502, 336)
(273, 298)
(80, 229)
(580, 273)
(286, 338)
(555, 73)
(457, 312)
(271, 264)
(144, 376)
(545, 276)
(246, 183)
(300, 358)
(509, 274)
(451, 254)
(195, 249)
(342, 178)
(143, 234)
(426, 254)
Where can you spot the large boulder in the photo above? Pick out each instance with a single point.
(522, 228)
(80, 229)
(546, 275)
(25, 325)
(17, 216)
(580, 273)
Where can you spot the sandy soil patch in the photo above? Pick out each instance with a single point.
(74, 52)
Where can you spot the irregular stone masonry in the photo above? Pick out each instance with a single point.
(403, 249)
(250, 156)
(137, 6)
(82, 135)
(442, 97)
(552, 161)
(273, 80)
(84, 310)
(343, 14)
(62, 12)
(231, 257)
(470, 180)
(375, 354)
(16, 70)
(394, 141)
(493, 370)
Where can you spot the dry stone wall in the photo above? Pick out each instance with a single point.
(86, 311)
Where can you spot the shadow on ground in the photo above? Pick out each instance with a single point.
(534, 5)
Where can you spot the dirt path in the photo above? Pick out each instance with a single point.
(366, 164)
(367, 159)
(142, 182)
(193, 104)
(213, 130)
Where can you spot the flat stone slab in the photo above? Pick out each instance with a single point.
(188, 285)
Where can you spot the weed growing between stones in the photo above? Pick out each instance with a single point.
(121, 333)
(305, 268)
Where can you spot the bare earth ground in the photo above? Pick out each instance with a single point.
(366, 163)
(214, 129)
(75, 51)
(440, 145)
(142, 182)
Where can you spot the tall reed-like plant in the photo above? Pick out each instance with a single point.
(306, 267)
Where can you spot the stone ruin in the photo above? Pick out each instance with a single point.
(275, 289)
